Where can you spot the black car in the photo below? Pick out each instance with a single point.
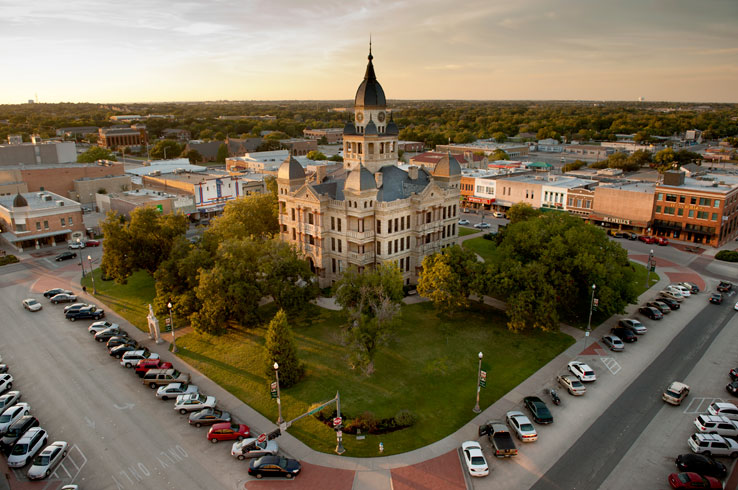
(732, 388)
(724, 286)
(116, 341)
(118, 352)
(693, 288)
(704, 465)
(91, 312)
(625, 334)
(3, 368)
(65, 256)
(109, 333)
(716, 298)
(671, 303)
(274, 466)
(662, 307)
(733, 374)
(538, 409)
(55, 291)
(208, 416)
(632, 236)
(16, 431)
(651, 313)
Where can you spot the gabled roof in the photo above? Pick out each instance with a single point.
(290, 169)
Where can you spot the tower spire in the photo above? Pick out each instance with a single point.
(370, 47)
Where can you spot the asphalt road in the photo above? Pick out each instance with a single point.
(122, 436)
(591, 459)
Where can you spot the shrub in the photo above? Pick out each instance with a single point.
(8, 259)
(727, 255)
(405, 418)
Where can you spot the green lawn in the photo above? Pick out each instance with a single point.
(482, 247)
(130, 300)
(463, 231)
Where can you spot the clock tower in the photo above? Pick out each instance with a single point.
(371, 138)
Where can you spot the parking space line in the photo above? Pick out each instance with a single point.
(699, 402)
(611, 364)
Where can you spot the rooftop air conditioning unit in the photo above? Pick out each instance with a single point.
(60, 203)
(48, 197)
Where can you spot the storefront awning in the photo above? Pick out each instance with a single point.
(480, 200)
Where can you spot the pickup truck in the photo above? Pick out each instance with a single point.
(500, 437)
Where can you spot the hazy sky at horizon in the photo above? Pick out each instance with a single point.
(158, 50)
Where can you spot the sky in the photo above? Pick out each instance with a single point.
(190, 50)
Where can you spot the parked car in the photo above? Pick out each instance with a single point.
(725, 409)
(239, 451)
(662, 307)
(3, 368)
(98, 327)
(65, 256)
(109, 333)
(716, 298)
(47, 460)
(53, 292)
(9, 399)
(476, 464)
(650, 312)
(693, 288)
(713, 445)
(63, 298)
(633, 325)
(662, 241)
(228, 431)
(158, 377)
(672, 294)
(76, 306)
(502, 442)
(647, 239)
(675, 393)
(6, 382)
(120, 340)
(270, 466)
(671, 303)
(16, 430)
(193, 401)
(685, 292)
(143, 366)
(463, 222)
(132, 358)
(498, 214)
(724, 286)
(715, 424)
(31, 304)
(581, 371)
(732, 388)
(482, 225)
(693, 480)
(613, 343)
(521, 426)
(632, 236)
(92, 243)
(624, 334)
(92, 312)
(11, 414)
(538, 410)
(208, 416)
(699, 463)
(572, 384)
(31, 442)
(76, 245)
(173, 390)
(733, 373)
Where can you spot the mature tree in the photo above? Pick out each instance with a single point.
(371, 300)
(323, 140)
(685, 156)
(219, 136)
(575, 165)
(152, 235)
(521, 212)
(448, 278)
(94, 154)
(166, 149)
(118, 250)
(222, 153)
(665, 156)
(286, 277)
(254, 215)
(269, 145)
(316, 155)
(271, 185)
(193, 156)
(500, 155)
(499, 137)
(206, 134)
(280, 347)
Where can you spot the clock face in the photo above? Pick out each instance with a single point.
(380, 116)
(359, 116)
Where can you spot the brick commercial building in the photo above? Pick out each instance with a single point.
(114, 138)
(299, 147)
(332, 135)
(39, 219)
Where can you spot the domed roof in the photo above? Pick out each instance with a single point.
(290, 169)
(370, 92)
(360, 179)
(371, 128)
(19, 201)
(392, 128)
(447, 166)
(349, 128)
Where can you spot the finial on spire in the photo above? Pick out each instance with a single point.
(370, 47)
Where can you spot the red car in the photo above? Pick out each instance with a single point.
(693, 480)
(92, 243)
(647, 239)
(662, 241)
(227, 431)
(145, 364)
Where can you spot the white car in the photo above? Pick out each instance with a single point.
(31, 304)
(498, 214)
(63, 298)
(482, 225)
(713, 445)
(193, 401)
(78, 306)
(272, 448)
(100, 326)
(685, 292)
(581, 371)
(572, 384)
(173, 390)
(132, 357)
(9, 399)
(474, 458)
(715, 424)
(46, 461)
(6, 382)
(27, 446)
(520, 424)
(11, 414)
(76, 245)
(463, 221)
(724, 409)
(736, 306)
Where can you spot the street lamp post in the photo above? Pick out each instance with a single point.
(92, 276)
(280, 420)
(479, 386)
(81, 260)
(589, 321)
(171, 322)
(650, 263)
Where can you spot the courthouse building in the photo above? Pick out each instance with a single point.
(375, 212)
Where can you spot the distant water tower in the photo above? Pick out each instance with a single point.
(641, 99)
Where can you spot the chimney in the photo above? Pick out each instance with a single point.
(378, 176)
(320, 173)
(413, 172)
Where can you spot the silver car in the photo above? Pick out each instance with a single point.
(27, 446)
(9, 399)
(633, 325)
(11, 414)
(46, 461)
(572, 384)
(613, 342)
(272, 448)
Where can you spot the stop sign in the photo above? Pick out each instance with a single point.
(337, 421)
(261, 438)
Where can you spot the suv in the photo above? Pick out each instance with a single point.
(715, 424)
(724, 410)
(675, 393)
(27, 446)
(713, 444)
(724, 286)
(158, 377)
(143, 366)
(131, 358)
(83, 313)
(16, 430)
